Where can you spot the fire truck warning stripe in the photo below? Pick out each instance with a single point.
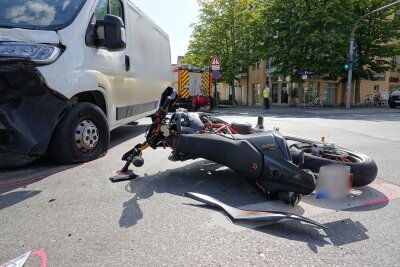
(205, 83)
(185, 93)
(185, 78)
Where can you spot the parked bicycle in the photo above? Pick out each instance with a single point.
(377, 100)
(316, 102)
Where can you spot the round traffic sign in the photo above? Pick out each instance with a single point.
(216, 75)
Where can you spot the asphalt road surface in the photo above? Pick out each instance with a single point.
(74, 216)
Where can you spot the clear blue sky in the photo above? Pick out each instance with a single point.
(174, 17)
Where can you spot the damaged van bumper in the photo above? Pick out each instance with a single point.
(29, 112)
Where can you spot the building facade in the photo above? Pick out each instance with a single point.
(251, 82)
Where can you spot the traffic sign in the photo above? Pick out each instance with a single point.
(307, 72)
(216, 75)
(215, 63)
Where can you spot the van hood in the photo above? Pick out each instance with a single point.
(30, 36)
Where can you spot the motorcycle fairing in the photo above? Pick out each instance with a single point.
(238, 155)
(258, 157)
(248, 215)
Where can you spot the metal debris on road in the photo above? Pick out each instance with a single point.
(249, 215)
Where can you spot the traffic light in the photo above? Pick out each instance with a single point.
(356, 60)
(346, 65)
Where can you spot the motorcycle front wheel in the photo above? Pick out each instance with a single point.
(362, 167)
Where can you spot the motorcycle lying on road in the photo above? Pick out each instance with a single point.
(279, 170)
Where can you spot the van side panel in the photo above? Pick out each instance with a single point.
(130, 95)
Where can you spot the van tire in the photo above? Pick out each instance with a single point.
(63, 147)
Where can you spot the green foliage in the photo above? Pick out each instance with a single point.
(226, 28)
(298, 34)
(375, 38)
(306, 35)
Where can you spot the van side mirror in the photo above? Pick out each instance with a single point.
(109, 33)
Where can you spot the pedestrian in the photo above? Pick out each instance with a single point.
(266, 93)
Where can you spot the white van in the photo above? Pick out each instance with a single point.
(71, 71)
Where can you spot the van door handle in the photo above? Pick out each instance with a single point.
(127, 63)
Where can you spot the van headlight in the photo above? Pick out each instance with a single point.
(38, 53)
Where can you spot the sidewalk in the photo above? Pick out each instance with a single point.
(311, 110)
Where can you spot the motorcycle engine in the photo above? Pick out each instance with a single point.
(317, 149)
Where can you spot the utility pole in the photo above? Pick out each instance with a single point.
(351, 49)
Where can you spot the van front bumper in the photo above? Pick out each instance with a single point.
(29, 112)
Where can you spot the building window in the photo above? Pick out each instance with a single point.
(330, 93)
(312, 92)
(376, 88)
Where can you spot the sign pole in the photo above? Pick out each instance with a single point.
(215, 94)
(215, 67)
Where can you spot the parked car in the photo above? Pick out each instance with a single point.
(394, 99)
(72, 71)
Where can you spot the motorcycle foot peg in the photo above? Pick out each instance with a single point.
(138, 161)
(123, 176)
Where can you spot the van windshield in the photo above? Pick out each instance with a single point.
(38, 14)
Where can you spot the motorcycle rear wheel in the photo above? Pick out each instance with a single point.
(362, 167)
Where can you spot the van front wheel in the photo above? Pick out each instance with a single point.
(82, 135)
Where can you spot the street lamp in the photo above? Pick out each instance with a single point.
(351, 49)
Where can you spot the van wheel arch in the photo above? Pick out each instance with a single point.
(94, 97)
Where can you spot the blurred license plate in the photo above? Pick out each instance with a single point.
(334, 182)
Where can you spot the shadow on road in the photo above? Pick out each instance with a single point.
(225, 185)
(201, 176)
(12, 198)
(339, 233)
(11, 179)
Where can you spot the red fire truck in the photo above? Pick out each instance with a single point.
(193, 86)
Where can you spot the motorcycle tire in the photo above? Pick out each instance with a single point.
(362, 167)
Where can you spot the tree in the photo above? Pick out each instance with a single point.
(314, 35)
(306, 35)
(376, 39)
(225, 28)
